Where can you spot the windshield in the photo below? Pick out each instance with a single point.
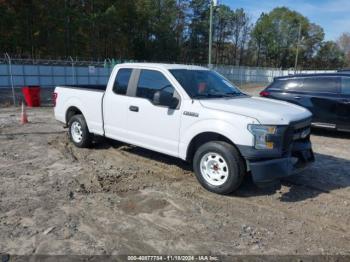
(204, 83)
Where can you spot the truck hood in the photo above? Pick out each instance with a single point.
(266, 111)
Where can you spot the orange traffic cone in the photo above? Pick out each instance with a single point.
(24, 117)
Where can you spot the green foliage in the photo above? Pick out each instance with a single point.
(330, 56)
(223, 20)
(161, 30)
(275, 37)
(344, 44)
(198, 31)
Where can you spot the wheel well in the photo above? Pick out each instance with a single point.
(203, 138)
(71, 112)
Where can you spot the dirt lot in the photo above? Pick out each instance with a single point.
(118, 199)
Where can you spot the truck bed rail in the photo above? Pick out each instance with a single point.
(88, 87)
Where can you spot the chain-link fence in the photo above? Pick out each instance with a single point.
(18, 72)
(242, 75)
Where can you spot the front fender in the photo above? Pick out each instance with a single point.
(237, 134)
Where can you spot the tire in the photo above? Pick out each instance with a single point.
(78, 131)
(219, 167)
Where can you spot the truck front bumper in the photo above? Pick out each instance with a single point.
(270, 170)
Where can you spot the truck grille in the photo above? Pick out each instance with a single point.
(298, 130)
(301, 133)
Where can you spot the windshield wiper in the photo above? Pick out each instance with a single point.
(232, 94)
(216, 95)
(207, 96)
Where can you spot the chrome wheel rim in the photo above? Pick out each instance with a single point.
(214, 169)
(76, 132)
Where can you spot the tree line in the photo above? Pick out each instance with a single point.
(165, 31)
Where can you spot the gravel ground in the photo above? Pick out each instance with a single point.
(120, 199)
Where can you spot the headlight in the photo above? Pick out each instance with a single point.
(260, 133)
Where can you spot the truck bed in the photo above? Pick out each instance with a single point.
(87, 98)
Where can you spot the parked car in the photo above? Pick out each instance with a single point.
(194, 114)
(327, 96)
(344, 70)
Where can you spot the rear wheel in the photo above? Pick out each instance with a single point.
(219, 167)
(78, 131)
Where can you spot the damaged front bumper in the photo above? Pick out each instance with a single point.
(292, 153)
(269, 170)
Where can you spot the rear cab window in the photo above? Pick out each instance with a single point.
(122, 81)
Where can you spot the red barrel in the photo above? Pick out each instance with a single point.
(31, 95)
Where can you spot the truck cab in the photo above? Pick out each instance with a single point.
(195, 114)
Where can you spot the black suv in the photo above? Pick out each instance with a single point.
(327, 96)
(345, 70)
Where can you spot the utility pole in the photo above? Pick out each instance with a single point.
(212, 4)
(297, 53)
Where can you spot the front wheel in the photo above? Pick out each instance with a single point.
(78, 131)
(219, 167)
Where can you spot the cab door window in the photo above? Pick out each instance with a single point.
(154, 86)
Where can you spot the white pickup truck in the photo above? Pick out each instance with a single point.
(194, 114)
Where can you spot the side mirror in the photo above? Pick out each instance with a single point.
(174, 103)
(161, 98)
(156, 98)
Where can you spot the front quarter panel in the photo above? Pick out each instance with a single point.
(197, 119)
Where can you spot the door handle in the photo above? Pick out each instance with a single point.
(297, 97)
(134, 108)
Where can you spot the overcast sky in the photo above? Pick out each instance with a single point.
(332, 15)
